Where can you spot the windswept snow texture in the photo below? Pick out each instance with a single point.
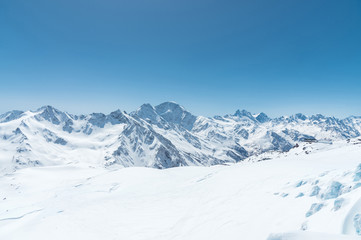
(253, 199)
(161, 137)
(310, 236)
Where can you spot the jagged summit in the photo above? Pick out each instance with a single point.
(262, 118)
(318, 117)
(300, 116)
(243, 113)
(176, 114)
(147, 112)
(52, 115)
(47, 108)
(11, 115)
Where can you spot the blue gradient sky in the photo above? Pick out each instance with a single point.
(213, 57)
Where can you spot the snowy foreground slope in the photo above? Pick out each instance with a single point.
(311, 192)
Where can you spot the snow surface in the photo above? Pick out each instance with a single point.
(259, 198)
(310, 236)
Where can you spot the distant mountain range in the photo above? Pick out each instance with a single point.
(161, 136)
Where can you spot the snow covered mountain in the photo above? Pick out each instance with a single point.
(309, 187)
(163, 136)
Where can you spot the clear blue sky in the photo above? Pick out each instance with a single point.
(213, 57)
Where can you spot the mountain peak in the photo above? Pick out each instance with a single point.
(146, 109)
(146, 106)
(300, 116)
(146, 112)
(262, 118)
(317, 117)
(47, 108)
(11, 115)
(166, 106)
(243, 113)
(175, 113)
(51, 114)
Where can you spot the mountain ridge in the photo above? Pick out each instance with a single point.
(161, 136)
